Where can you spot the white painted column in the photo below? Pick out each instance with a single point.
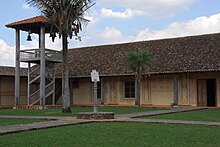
(42, 66)
(17, 68)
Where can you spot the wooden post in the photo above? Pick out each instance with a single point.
(42, 66)
(54, 87)
(28, 99)
(17, 67)
(175, 89)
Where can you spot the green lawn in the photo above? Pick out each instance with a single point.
(117, 134)
(6, 121)
(201, 115)
(75, 110)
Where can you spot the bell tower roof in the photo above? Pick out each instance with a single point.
(31, 24)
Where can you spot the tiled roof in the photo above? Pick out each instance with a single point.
(10, 71)
(32, 24)
(37, 19)
(185, 54)
(177, 55)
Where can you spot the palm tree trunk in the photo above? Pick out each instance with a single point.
(138, 87)
(65, 77)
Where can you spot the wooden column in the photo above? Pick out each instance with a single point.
(54, 87)
(42, 66)
(28, 94)
(17, 67)
(175, 89)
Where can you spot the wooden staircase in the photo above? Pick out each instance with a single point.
(34, 84)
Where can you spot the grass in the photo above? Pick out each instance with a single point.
(6, 121)
(75, 110)
(117, 134)
(200, 115)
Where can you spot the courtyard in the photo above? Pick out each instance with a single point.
(127, 129)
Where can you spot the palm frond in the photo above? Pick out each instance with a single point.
(139, 59)
(65, 16)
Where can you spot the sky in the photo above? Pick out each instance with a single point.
(117, 21)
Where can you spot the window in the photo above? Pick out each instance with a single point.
(129, 89)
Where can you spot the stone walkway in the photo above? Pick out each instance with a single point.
(39, 117)
(39, 125)
(64, 121)
(157, 112)
(175, 122)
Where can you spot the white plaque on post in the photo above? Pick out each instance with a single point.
(95, 76)
(95, 79)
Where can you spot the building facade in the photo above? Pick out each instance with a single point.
(185, 72)
(194, 89)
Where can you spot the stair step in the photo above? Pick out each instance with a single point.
(36, 78)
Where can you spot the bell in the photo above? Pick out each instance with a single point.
(29, 37)
(53, 36)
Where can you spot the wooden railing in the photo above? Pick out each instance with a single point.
(35, 54)
(35, 97)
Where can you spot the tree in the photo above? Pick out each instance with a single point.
(138, 61)
(66, 18)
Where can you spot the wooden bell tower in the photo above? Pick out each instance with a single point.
(41, 61)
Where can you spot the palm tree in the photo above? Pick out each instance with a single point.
(138, 61)
(66, 18)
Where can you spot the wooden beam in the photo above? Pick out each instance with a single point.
(17, 68)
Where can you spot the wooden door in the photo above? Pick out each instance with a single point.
(201, 93)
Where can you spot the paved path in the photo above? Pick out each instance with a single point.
(174, 122)
(64, 121)
(157, 112)
(39, 125)
(39, 117)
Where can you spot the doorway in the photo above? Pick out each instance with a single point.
(206, 92)
(211, 92)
